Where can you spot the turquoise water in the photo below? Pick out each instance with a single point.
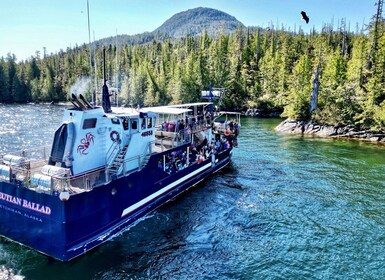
(288, 207)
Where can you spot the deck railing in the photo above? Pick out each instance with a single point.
(28, 161)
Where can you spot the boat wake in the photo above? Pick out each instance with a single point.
(9, 274)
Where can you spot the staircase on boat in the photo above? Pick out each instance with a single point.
(120, 165)
(116, 166)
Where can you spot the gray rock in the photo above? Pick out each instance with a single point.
(327, 130)
(289, 126)
(349, 131)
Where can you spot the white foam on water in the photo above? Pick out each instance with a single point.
(8, 274)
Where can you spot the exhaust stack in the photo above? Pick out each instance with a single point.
(84, 100)
(76, 102)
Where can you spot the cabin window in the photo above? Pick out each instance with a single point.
(143, 123)
(149, 122)
(125, 124)
(89, 123)
(115, 121)
(134, 124)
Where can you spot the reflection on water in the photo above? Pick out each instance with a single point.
(288, 207)
(23, 126)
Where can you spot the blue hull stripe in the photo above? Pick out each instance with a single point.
(163, 190)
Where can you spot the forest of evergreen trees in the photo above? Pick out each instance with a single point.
(259, 68)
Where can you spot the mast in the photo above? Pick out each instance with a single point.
(89, 44)
(96, 76)
(116, 69)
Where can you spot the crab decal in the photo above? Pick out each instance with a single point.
(85, 143)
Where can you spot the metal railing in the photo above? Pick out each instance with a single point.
(30, 160)
(35, 153)
(112, 152)
(79, 183)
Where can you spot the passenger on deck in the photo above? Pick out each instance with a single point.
(236, 128)
(179, 153)
(207, 152)
(184, 160)
(171, 127)
(193, 123)
(68, 159)
(200, 157)
(181, 129)
(226, 145)
(231, 126)
(186, 134)
(165, 126)
(180, 125)
(218, 145)
(193, 154)
(227, 132)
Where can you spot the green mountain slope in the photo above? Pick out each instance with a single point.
(197, 21)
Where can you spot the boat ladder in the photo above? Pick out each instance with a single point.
(116, 165)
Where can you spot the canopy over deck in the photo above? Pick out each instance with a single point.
(229, 115)
(166, 110)
(190, 104)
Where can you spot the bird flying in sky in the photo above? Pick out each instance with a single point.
(304, 16)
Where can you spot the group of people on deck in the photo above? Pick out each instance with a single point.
(178, 160)
(179, 125)
(231, 128)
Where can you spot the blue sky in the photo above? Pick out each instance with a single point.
(26, 26)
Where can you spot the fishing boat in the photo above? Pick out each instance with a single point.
(106, 169)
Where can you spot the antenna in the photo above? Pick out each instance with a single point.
(106, 104)
(89, 45)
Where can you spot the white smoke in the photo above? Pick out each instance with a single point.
(81, 86)
(9, 274)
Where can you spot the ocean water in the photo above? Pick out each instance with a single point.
(288, 207)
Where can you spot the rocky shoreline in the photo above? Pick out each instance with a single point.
(263, 113)
(347, 132)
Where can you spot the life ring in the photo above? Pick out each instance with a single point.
(114, 135)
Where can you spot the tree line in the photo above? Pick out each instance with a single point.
(259, 68)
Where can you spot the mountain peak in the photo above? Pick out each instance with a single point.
(197, 21)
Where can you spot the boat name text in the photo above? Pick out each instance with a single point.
(25, 203)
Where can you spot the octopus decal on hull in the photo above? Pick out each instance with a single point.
(85, 143)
